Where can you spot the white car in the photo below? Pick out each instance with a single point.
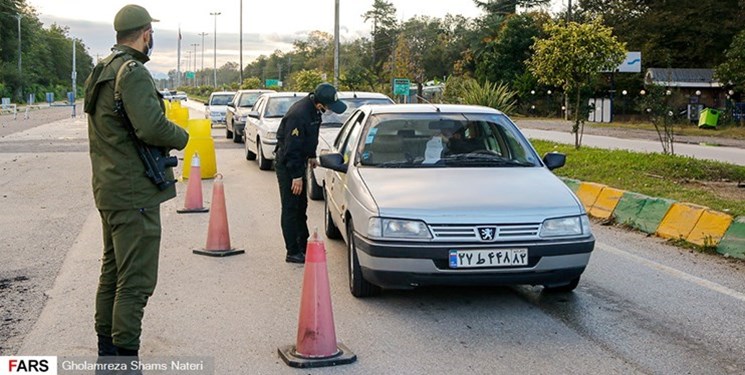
(180, 95)
(216, 107)
(442, 194)
(260, 133)
(330, 126)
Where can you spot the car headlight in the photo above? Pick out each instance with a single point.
(565, 226)
(395, 228)
(271, 135)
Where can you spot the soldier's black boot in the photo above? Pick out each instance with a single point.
(128, 356)
(106, 355)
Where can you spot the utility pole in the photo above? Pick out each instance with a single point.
(279, 69)
(20, 71)
(569, 11)
(194, 69)
(214, 54)
(240, 67)
(203, 34)
(178, 59)
(336, 44)
(74, 78)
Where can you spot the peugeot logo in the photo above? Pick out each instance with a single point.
(487, 233)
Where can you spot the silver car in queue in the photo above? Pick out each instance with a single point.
(450, 195)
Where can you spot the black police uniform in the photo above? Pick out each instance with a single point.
(297, 139)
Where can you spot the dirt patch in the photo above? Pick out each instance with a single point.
(725, 190)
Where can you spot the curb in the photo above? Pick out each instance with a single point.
(665, 218)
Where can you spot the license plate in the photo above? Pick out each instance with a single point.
(488, 258)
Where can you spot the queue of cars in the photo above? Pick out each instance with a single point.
(238, 110)
(427, 194)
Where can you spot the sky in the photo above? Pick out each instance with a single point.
(267, 25)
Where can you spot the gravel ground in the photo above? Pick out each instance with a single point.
(37, 116)
(560, 125)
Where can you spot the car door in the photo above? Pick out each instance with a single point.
(232, 112)
(345, 144)
(252, 125)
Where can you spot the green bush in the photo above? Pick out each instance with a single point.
(497, 96)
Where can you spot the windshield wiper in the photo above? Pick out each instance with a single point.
(394, 164)
(273, 116)
(485, 159)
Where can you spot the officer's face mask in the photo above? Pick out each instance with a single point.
(321, 108)
(149, 47)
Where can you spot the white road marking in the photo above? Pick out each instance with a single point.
(675, 272)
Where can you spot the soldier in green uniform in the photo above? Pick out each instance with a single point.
(128, 202)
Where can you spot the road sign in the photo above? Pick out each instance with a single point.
(632, 63)
(272, 83)
(401, 86)
(190, 75)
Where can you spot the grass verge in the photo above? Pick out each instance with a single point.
(685, 179)
(723, 131)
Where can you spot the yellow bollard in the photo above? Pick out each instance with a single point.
(199, 128)
(205, 147)
(181, 117)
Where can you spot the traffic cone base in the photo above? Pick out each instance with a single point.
(293, 359)
(218, 253)
(192, 210)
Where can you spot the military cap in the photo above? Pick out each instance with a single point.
(131, 17)
(326, 94)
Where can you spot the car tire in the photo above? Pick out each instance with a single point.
(358, 286)
(264, 163)
(330, 229)
(249, 154)
(237, 138)
(562, 288)
(315, 191)
(228, 133)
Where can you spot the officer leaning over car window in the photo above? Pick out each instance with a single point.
(128, 202)
(297, 138)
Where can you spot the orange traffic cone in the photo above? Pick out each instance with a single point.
(218, 236)
(316, 335)
(193, 201)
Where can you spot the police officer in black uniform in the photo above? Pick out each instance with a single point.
(297, 139)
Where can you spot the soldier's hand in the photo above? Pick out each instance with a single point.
(313, 162)
(297, 185)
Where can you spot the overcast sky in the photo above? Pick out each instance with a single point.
(267, 25)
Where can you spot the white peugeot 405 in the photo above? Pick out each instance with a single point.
(450, 195)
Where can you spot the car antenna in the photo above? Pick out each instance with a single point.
(355, 94)
(436, 108)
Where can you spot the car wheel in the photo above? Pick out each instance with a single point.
(330, 229)
(264, 164)
(358, 286)
(315, 191)
(228, 133)
(563, 288)
(237, 138)
(249, 154)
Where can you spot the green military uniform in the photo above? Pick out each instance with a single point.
(128, 202)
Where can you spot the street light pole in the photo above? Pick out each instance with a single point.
(336, 44)
(214, 53)
(203, 34)
(20, 71)
(240, 67)
(194, 70)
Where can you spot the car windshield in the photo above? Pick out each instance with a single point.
(278, 106)
(331, 119)
(444, 140)
(222, 99)
(249, 99)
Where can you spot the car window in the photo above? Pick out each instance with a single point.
(445, 140)
(222, 99)
(331, 119)
(248, 99)
(276, 107)
(259, 106)
(354, 135)
(342, 136)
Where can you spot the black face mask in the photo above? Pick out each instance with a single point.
(149, 47)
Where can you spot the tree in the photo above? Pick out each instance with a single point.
(660, 104)
(251, 83)
(383, 17)
(402, 63)
(733, 68)
(504, 56)
(572, 56)
(306, 80)
(508, 6)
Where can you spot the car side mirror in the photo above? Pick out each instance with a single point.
(554, 160)
(334, 161)
(231, 105)
(253, 114)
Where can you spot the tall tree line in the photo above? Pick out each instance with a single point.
(46, 55)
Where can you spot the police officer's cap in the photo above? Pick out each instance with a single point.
(325, 94)
(132, 17)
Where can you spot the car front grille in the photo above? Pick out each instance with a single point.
(471, 233)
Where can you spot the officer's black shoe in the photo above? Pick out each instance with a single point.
(295, 258)
(106, 346)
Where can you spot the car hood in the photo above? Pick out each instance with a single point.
(218, 108)
(470, 195)
(243, 111)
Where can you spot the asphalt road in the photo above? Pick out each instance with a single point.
(642, 306)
